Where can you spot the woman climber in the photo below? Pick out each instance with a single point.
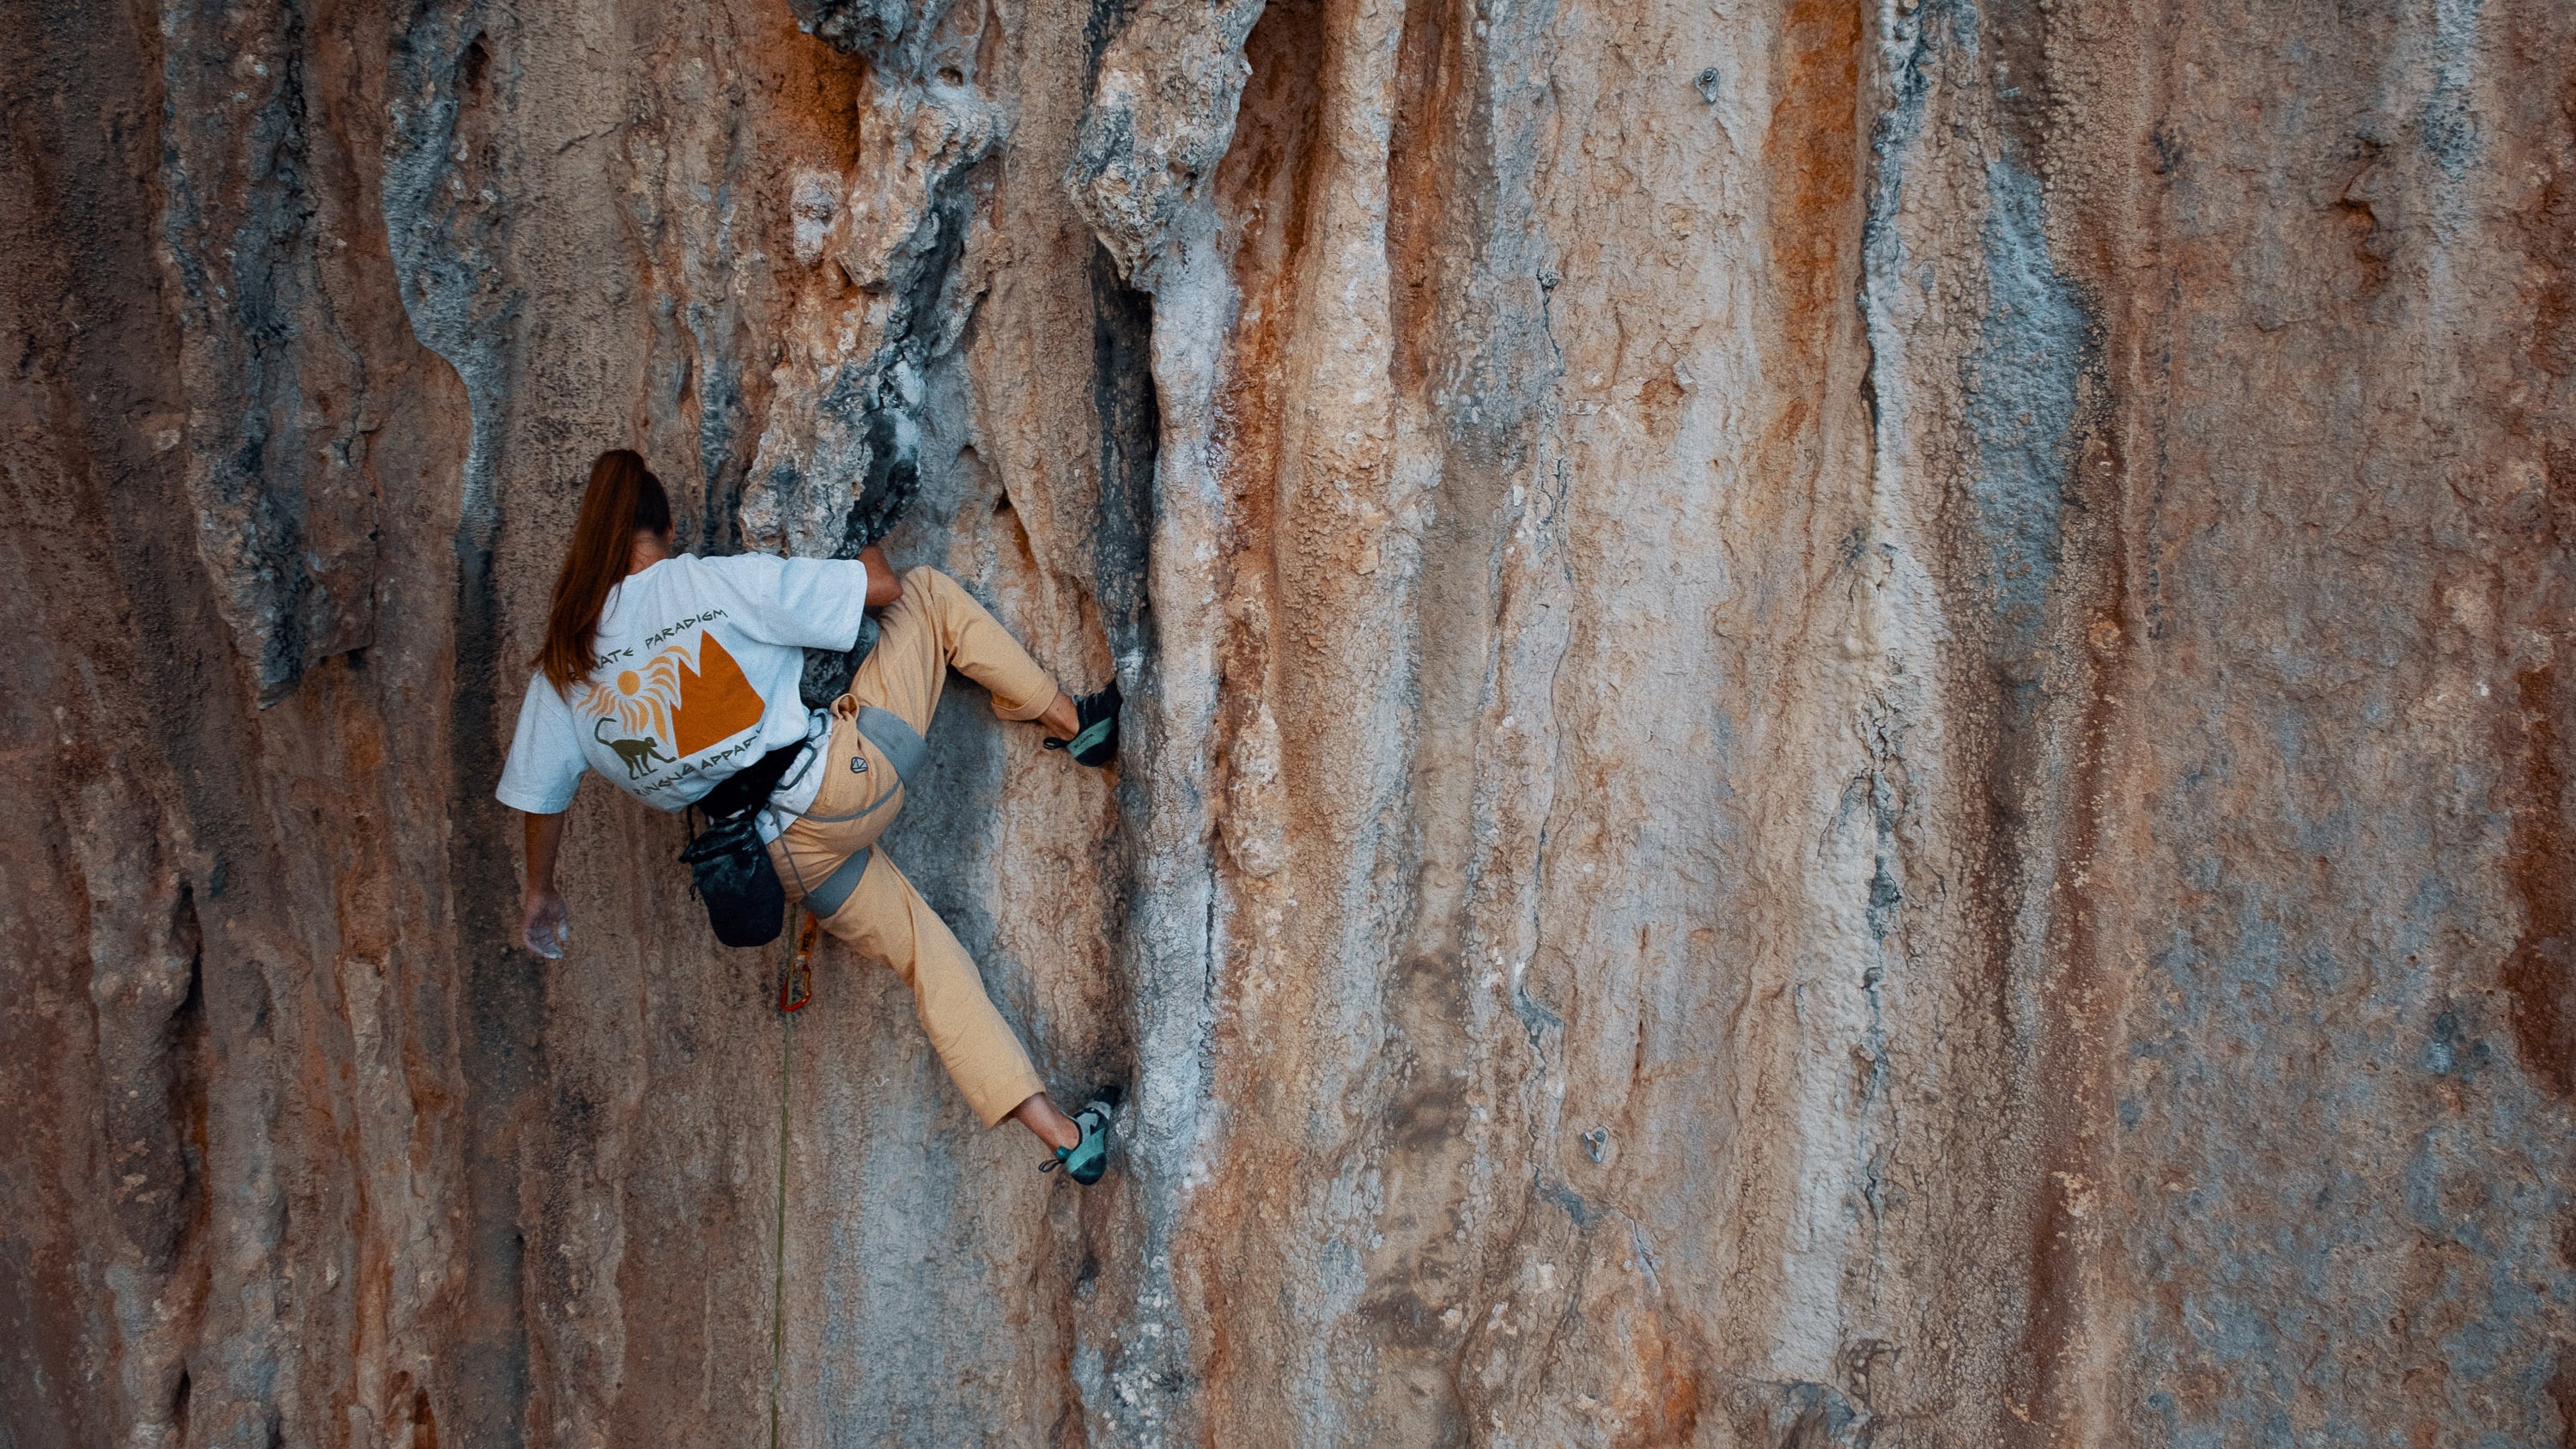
(671, 674)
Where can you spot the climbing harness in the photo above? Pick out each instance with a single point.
(903, 748)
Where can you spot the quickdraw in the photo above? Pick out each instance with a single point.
(796, 982)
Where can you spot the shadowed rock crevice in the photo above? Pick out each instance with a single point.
(1130, 432)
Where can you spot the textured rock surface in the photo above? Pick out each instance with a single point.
(1849, 722)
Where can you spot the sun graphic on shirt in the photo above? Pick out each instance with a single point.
(640, 702)
(684, 706)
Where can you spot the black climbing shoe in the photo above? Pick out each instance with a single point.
(1086, 1160)
(1096, 742)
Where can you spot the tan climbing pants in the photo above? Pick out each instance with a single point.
(934, 625)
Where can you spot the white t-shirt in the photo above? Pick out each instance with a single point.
(698, 664)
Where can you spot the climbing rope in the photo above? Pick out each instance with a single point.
(778, 1284)
(795, 989)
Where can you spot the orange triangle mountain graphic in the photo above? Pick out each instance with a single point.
(716, 701)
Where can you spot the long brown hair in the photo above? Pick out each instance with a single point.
(623, 497)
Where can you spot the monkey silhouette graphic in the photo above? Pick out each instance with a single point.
(637, 753)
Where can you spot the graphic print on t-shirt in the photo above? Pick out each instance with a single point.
(672, 704)
(716, 701)
(638, 753)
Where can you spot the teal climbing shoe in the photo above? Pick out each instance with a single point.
(1096, 742)
(1086, 1160)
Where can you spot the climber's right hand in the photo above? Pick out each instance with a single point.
(544, 924)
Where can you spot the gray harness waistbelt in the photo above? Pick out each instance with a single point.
(903, 747)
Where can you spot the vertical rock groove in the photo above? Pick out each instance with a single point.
(1848, 725)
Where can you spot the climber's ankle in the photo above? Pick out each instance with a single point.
(1048, 1123)
(1061, 718)
(1087, 1161)
(1094, 740)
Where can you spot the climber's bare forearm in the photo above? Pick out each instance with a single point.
(544, 923)
(545, 839)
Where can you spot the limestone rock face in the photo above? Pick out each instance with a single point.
(1846, 721)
